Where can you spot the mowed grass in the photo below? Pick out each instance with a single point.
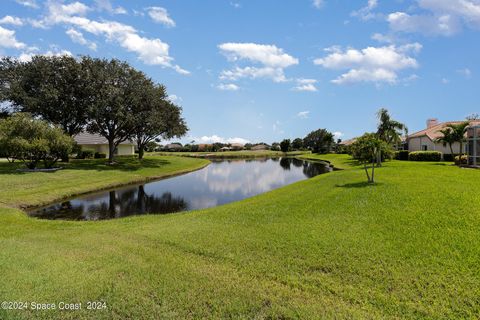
(20, 189)
(329, 247)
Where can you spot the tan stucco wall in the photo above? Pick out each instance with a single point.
(415, 144)
(123, 149)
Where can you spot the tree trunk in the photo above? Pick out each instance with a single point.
(379, 159)
(451, 150)
(373, 172)
(141, 151)
(366, 171)
(111, 151)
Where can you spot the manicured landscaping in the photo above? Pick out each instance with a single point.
(329, 247)
(19, 189)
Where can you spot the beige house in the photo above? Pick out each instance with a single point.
(425, 140)
(99, 144)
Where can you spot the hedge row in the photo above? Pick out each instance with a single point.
(425, 156)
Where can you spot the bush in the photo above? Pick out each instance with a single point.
(100, 155)
(425, 156)
(463, 161)
(30, 140)
(86, 154)
(449, 157)
(402, 155)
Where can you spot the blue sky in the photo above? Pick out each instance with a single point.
(264, 70)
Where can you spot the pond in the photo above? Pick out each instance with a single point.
(219, 183)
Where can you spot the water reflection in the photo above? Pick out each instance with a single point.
(219, 183)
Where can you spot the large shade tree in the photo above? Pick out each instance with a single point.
(319, 141)
(156, 118)
(111, 113)
(53, 88)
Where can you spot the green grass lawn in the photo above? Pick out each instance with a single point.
(19, 189)
(328, 247)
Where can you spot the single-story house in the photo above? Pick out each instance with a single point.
(237, 146)
(349, 142)
(260, 147)
(425, 140)
(97, 143)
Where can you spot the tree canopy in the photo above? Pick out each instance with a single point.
(319, 141)
(54, 88)
(366, 150)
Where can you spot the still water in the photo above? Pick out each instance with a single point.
(219, 183)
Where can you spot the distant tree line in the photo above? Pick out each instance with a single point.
(318, 141)
(100, 96)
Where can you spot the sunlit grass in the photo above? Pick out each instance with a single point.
(328, 247)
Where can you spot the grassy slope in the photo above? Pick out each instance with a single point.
(27, 189)
(331, 246)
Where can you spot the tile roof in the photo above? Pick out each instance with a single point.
(89, 138)
(434, 132)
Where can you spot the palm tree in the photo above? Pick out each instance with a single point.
(448, 138)
(458, 134)
(389, 130)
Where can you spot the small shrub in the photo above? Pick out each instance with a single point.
(449, 157)
(425, 156)
(462, 161)
(402, 155)
(100, 155)
(86, 154)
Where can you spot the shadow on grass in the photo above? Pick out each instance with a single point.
(122, 164)
(363, 184)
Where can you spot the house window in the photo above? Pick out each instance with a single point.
(424, 148)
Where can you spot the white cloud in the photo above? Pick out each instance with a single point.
(276, 74)
(337, 135)
(78, 37)
(466, 72)
(306, 85)
(27, 56)
(160, 15)
(217, 139)
(273, 61)
(318, 3)
(106, 5)
(8, 39)
(426, 24)
(268, 55)
(442, 17)
(365, 13)
(15, 21)
(303, 114)
(236, 5)
(28, 3)
(372, 64)
(149, 51)
(445, 81)
(174, 98)
(228, 87)
(383, 38)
